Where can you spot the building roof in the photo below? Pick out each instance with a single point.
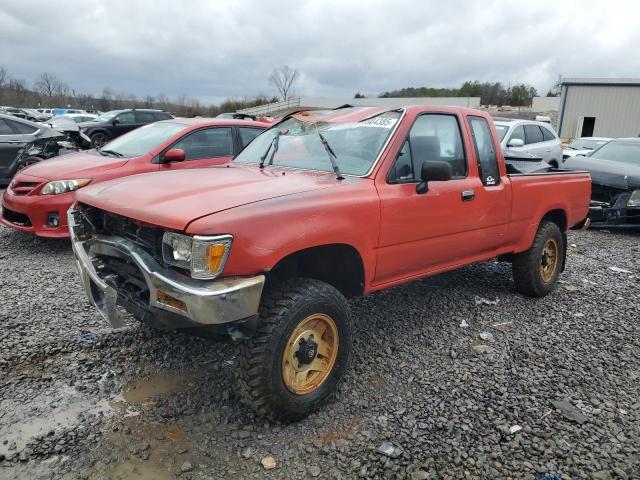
(603, 81)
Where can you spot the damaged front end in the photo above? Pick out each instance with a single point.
(615, 206)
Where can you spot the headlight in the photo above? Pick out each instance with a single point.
(634, 199)
(57, 187)
(204, 257)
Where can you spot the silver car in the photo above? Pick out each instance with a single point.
(535, 138)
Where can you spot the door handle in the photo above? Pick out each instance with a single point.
(468, 195)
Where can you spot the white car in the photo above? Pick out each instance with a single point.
(536, 138)
(81, 117)
(582, 146)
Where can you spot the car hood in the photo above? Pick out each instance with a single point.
(607, 172)
(174, 199)
(74, 165)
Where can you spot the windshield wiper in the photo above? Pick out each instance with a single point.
(332, 156)
(109, 152)
(274, 143)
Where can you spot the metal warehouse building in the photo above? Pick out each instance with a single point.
(599, 107)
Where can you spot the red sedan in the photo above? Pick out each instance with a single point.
(39, 196)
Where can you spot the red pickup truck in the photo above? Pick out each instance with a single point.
(322, 206)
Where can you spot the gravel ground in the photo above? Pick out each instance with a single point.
(455, 376)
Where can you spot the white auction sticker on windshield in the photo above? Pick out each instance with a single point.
(379, 122)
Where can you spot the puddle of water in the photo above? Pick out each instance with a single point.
(65, 416)
(161, 384)
(139, 470)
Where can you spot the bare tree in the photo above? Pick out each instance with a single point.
(45, 85)
(283, 78)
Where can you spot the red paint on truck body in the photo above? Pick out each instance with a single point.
(399, 234)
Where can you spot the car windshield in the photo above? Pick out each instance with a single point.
(144, 139)
(586, 144)
(356, 144)
(619, 152)
(502, 131)
(105, 117)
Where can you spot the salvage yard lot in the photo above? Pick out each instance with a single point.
(79, 400)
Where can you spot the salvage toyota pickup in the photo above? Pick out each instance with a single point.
(323, 206)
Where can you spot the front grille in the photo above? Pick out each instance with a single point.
(148, 237)
(16, 218)
(23, 188)
(125, 277)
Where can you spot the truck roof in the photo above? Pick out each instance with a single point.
(216, 121)
(357, 114)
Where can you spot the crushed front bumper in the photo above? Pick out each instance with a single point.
(174, 300)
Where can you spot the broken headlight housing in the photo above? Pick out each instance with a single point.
(57, 187)
(204, 257)
(634, 199)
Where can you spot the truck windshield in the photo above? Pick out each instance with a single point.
(619, 152)
(144, 139)
(356, 145)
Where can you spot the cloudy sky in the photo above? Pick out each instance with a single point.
(214, 49)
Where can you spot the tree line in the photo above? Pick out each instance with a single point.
(490, 93)
(48, 91)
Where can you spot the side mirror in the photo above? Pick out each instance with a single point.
(433, 172)
(174, 155)
(515, 142)
(115, 121)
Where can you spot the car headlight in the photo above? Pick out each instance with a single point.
(634, 199)
(204, 257)
(57, 187)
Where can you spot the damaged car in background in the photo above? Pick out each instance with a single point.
(23, 143)
(615, 173)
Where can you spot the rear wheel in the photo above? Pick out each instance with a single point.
(99, 139)
(536, 271)
(296, 359)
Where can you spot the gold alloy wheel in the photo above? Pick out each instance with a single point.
(549, 260)
(310, 354)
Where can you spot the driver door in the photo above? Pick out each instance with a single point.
(423, 233)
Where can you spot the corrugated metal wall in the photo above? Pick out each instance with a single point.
(617, 110)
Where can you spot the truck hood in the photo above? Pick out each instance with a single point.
(74, 165)
(175, 199)
(608, 173)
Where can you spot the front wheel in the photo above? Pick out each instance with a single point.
(99, 139)
(296, 359)
(536, 271)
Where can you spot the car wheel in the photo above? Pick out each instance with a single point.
(536, 271)
(553, 163)
(99, 139)
(28, 162)
(296, 359)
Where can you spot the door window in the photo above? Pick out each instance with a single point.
(248, 134)
(485, 151)
(127, 118)
(533, 134)
(547, 135)
(5, 128)
(207, 143)
(24, 128)
(145, 117)
(433, 137)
